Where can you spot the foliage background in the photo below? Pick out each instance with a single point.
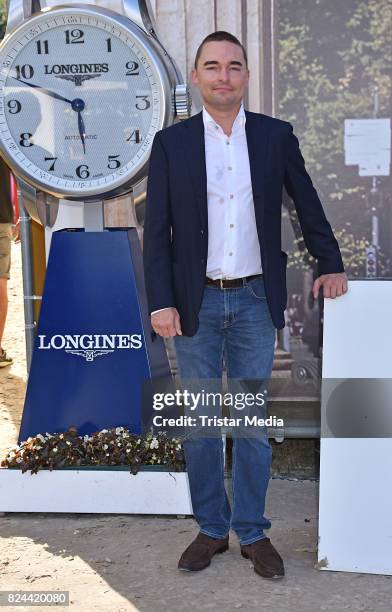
(331, 56)
(3, 17)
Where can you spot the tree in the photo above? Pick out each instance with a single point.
(331, 56)
(3, 18)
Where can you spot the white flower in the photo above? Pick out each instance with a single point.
(103, 431)
(154, 443)
(38, 447)
(29, 439)
(55, 450)
(105, 447)
(154, 456)
(138, 442)
(48, 435)
(86, 438)
(119, 430)
(107, 454)
(19, 460)
(119, 444)
(61, 436)
(128, 450)
(11, 455)
(178, 446)
(69, 443)
(40, 437)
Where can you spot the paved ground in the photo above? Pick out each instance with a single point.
(116, 563)
(120, 563)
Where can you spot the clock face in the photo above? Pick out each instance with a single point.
(80, 101)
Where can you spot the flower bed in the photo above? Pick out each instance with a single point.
(116, 446)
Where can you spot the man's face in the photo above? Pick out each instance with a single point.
(221, 75)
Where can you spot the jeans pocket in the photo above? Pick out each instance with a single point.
(256, 288)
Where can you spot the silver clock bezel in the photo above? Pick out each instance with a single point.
(122, 184)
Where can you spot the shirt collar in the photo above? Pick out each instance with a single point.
(238, 125)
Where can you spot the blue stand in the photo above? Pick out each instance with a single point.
(93, 348)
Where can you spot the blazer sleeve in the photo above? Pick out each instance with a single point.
(317, 232)
(157, 232)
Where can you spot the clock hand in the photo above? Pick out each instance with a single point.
(77, 105)
(48, 92)
(82, 130)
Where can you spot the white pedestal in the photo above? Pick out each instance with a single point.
(355, 528)
(95, 491)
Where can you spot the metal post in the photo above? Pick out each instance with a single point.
(28, 297)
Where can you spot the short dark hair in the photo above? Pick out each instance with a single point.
(219, 36)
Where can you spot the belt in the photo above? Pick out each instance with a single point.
(229, 283)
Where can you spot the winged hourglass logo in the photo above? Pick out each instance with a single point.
(77, 78)
(89, 355)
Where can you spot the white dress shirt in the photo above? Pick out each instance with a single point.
(233, 244)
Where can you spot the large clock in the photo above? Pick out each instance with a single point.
(82, 93)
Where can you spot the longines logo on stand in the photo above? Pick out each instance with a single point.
(90, 346)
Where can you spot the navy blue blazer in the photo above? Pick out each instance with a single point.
(176, 218)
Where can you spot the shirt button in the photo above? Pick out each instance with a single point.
(231, 196)
(216, 127)
(229, 168)
(227, 142)
(230, 253)
(231, 224)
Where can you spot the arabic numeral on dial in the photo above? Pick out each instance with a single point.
(52, 159)
(134, 137)
(144, 102)
(25, 139)
(114, 163)
(82, 171)
(42, 47)
(26, 71)
(14, 106)
(74, 37)
(132, 68)
(109, 44)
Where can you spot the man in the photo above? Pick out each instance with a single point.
(215, 276)
(6, 220)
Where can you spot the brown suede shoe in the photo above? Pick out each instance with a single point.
(266, 560)
(199, 553)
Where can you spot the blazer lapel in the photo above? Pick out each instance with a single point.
(195, 153)
(257, 135)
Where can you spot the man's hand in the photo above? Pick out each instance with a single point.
(16, 231)
(333, 285)
(166, 323)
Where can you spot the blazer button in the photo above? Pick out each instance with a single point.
(202, 232)
(202, 261)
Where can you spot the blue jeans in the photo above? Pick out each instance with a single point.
(234, 323)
